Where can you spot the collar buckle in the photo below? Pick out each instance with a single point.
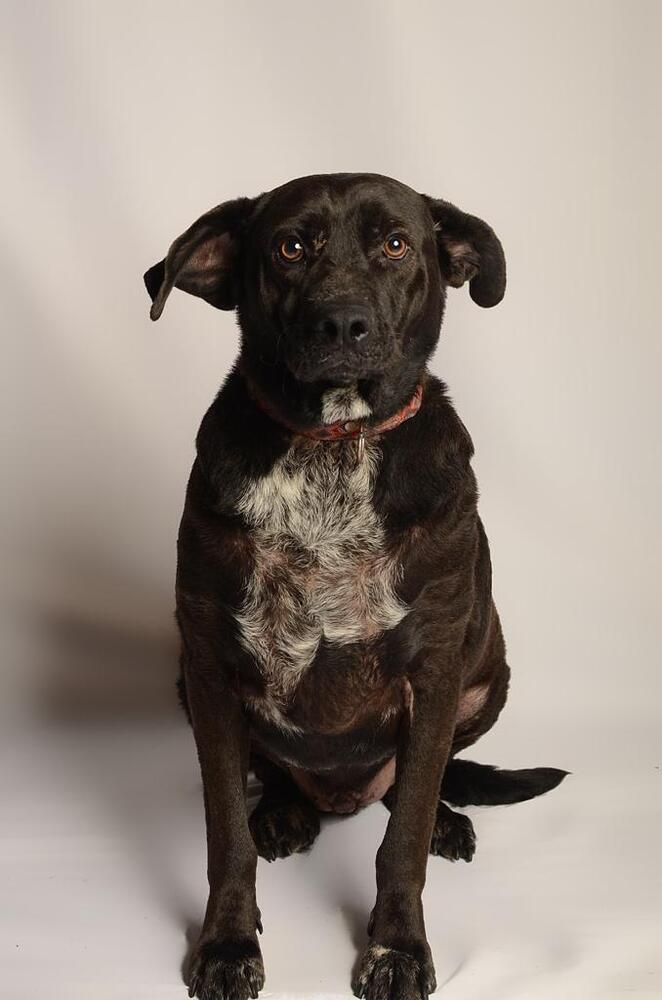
(360, 445)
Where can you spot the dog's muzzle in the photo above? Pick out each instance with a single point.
(337, 341)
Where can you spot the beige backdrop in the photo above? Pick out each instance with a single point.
(122, 122)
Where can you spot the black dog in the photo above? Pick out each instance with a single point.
(333, 582)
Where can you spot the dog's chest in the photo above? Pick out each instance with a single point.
(322, 570)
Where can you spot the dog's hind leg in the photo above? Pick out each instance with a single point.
(284, 821)
(453, 835)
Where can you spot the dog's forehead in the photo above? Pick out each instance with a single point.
(325, 199)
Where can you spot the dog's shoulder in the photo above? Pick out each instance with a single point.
(236, 444)
(426, 465)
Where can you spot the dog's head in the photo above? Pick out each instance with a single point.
(339, 280)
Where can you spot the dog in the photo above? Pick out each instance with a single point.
(333, 586)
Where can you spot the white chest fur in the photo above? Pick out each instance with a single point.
(322, 571)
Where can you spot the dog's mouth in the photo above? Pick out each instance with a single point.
(317, 364)
(339, 372)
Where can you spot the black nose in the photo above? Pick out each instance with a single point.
(346, 322)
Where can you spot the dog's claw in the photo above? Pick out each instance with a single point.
(453, 836)
(389, 973)
(227, 970)
(285, 826)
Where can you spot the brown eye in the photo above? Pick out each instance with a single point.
(395, 247)
(291, 250)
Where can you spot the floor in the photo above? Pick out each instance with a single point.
(103, 875)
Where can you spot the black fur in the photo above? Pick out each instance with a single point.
(468, 784)
(339, 282)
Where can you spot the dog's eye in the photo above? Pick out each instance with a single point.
(291, 250)
(395, 247)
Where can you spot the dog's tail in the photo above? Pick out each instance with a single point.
(469, 784)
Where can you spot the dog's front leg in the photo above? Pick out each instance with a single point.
(227, 963)
(397, 965)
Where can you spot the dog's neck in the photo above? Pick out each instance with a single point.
(339, 429)
(328, 412)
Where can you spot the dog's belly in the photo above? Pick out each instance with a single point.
(340, 772)
(344, 772)
(322, 575)
(346, 794)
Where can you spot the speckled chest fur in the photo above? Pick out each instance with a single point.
(322, 571)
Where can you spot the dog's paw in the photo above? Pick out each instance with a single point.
(226, 970)
(283, 828)
(391, 974)
(453, 836)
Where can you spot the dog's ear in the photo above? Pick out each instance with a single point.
(203, 260)
(468, 250)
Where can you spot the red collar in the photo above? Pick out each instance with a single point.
(344, 429)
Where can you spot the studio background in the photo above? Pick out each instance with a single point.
(124, 122)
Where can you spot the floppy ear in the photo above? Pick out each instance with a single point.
(202, 261)
(468, 250)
